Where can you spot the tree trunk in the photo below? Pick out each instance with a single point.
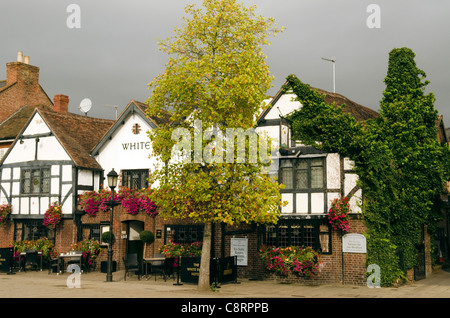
(203, 280)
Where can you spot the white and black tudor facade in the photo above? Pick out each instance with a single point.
(312, 178)
(49, 163)
(58, 155)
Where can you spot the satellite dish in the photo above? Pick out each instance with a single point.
(85, 105)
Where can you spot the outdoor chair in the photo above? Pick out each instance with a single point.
(166, 269)
(157, 265)
(132, 264)
(31, 259)
(53, 262)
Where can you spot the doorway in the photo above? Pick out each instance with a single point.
(134, 243)
(420, 268)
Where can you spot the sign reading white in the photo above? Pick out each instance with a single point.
(354, 243)
(239, 248)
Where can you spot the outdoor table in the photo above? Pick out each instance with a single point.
(150, 260)
(69, 255)
(24, 254)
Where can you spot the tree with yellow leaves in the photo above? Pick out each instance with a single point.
(213, 86)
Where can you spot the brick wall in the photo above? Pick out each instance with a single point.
(65, 234)
(352, 271)
(222, 237)
(331, 271)
(6, 234)
(22, 88)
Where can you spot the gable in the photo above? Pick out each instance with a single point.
(283, 106)
(133, 111)
(126, 145)
(35, 142)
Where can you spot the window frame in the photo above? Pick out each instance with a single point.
(127, 178)
(287, 239)
(41, 179)
(26, 229)
(173, 233)
(294, 163)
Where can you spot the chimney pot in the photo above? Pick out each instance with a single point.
(61, 103)
(20, 56)
(26, 60)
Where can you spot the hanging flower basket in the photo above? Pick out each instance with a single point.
(338, 215)
(52, 216)
(133, 200)
(5, 210)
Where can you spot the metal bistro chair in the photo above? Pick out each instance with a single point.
(166, 269)
(157, 266)
(53, 262)
(31, 259)
(132, 265)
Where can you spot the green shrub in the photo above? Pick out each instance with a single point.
(147, 237)
(385, 254)
(105, 237)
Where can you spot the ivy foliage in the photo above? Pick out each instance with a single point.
(401, 165)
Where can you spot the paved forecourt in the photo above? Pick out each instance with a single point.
(40, 284)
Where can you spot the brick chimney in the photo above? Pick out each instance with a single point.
(22, 72)
(61, 103)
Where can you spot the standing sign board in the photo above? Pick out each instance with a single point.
(224, 269)
(6, 255)
(239, 248)
(354, 243)
(190, 269)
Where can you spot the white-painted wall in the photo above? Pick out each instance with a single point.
(126, 150)
(284, 106)
(49, 147)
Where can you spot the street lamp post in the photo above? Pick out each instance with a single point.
(334, 72)
(112, 182)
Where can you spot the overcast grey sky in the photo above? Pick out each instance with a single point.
(114, 54)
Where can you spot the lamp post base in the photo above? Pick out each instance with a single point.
(110, 263)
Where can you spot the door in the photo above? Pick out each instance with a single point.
(419, 269)
(134, 244)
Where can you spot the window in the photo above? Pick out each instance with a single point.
(35, 181)
(135, 179)
(316, 168)
(313, 233)
(184, 234)
(90, 231)
(33, 230)
(303, 173)
(286, 173)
